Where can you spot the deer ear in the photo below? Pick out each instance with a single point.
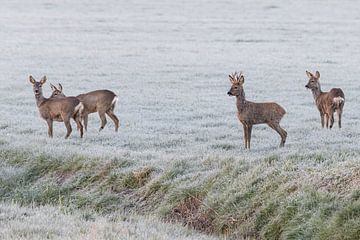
(60, 87)
(43, 80)
(242, 79)
(309, 74)
(317, 75)
(31, 79)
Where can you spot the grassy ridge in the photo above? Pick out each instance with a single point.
(271, 198)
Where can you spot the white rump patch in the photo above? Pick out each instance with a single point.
(338, 100)
(79, 107)
(114, 101)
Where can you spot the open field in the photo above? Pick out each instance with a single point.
(51, 223)
(180, 144)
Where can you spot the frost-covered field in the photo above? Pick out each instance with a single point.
(168, 61)
(51, 223)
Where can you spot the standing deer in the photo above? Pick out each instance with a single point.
(60, 110)
(326, 102)
(101, 101)
(250, 113)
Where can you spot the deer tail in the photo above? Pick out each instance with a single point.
(338, 101)
(114, 101)
(79, 109)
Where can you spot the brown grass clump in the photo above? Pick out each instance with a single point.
(342, 183)
(190, 213)
(142, 176)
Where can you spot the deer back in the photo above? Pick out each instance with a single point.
(97, 100)
(55, 108)
(325, 101)
(257, 113)
(336, 92)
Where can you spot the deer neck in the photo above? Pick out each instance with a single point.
(241, 101)
(40, 99)
(316, 92)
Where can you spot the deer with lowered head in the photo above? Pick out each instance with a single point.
(250, 113)
(101, 101)
(326, 102)
(61, 110)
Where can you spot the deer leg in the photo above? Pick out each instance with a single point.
(111, 114)
(85, 119)
(322, 119)
(103, 120)
(68, 127)
(280, 131)
(327, 120)
(245, 134)
(245, 126)
(331, 115)
(249, 135)
(284, 136)
(339, 113)
(79, 125)
(50, 127)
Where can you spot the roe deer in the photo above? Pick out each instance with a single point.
(250, 113)
(101, 101)
(60, 110)
(326, 102)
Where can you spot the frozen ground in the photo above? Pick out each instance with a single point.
(168, 61)
(52, 223)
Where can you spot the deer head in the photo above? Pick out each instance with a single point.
(237, 81)
(313, 83)
(37, 86)
(57, 92)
